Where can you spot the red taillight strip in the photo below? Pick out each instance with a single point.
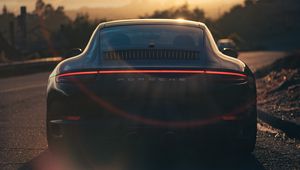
(225, 73)
(170, 71)
(78, 73)
(152, 71)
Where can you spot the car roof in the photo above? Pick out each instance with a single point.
(152, 22)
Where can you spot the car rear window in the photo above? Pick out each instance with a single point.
(147, 45)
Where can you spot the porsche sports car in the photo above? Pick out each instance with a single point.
(151, 80)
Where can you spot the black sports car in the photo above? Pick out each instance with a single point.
(151, 80)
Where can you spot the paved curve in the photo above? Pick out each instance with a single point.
(259, 59)
(23, 142)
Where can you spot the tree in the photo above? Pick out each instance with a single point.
(182, 11)
(4, 10)
(249, 3)
(79, 31)
(48, 10)
(39, 7)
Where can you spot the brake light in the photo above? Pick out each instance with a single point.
(225, 73)
(151, 71)
(65, 77)
(84, 76)
(78, 73)
(171, 71)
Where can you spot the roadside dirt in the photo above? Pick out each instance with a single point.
(278, 88)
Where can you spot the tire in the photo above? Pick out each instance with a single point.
(55, 144)
(53, 112)
(248, 140)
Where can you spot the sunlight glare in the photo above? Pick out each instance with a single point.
(180, 19)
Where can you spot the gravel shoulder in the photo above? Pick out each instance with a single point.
(278, 88)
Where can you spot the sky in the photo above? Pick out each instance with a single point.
(213, 8)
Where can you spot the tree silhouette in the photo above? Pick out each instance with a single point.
(263, 24)
(182, 11)
(4, 10)
(256, 25)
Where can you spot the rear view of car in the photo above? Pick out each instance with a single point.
(141, 80)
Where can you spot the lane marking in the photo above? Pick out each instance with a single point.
(22, 88)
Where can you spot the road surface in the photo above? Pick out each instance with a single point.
(259, 59)
(23, 142)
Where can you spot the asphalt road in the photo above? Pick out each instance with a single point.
(23, 142)
(257, 60)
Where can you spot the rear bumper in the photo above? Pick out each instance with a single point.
(95, 132)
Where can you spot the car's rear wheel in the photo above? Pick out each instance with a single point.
(54, 134)
(246, 143)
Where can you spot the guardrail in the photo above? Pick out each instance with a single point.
(29, 66)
